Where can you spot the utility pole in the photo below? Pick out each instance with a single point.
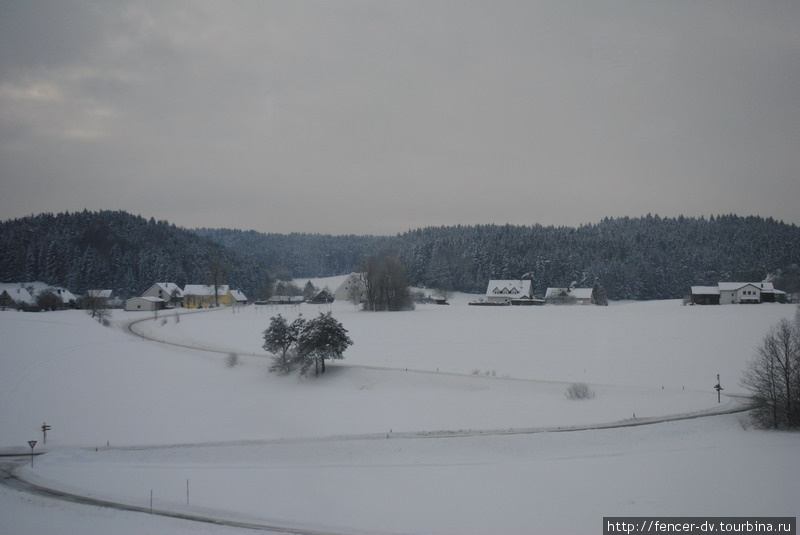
(719, 389)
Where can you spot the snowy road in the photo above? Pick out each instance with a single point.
(10, 480)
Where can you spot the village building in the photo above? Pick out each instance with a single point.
(170, 292)
(705, 295)
(238, 298)
(322, 297)
(507, 291)
(15, 297)
(570, 296)
(204, 296)
(352, 289)
(66, 297)
(144, 303)
(737, 293)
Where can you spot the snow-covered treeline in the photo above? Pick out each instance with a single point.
(631, 258)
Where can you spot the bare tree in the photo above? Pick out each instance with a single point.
(385, 284)
(217, 272)
(92, 303)
(773, 377)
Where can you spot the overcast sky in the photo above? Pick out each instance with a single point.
(375, 117)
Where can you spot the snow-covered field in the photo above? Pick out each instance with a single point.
(361, 449)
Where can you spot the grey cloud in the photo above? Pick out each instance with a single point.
(379, 116)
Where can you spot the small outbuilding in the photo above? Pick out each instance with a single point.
(323, 297)
(705, 295)
(145, 303)
(238, 298)
(570, 296)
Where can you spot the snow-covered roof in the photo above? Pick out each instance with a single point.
(170, 287)
(65, 295)
(733, 286)
(204, 289)
(100, 293)
(511, 288)
(705, 290)
(17, 293)
(581, 293)
(39, 287)
(238, 295)
(555, 292)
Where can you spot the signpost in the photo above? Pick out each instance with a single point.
(45, 429)
(31, 443)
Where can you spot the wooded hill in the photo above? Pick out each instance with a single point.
(113, 250)
(632, 258)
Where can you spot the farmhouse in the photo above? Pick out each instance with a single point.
(735, 293)
(352, 289)
(144, 303)
(15, 297)
(168, 291)
(507, 291)
(203, 295)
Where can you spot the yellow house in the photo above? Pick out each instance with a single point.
(202, 295)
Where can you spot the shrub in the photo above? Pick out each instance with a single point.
(579, 391)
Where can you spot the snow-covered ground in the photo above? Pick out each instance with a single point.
(351, 452)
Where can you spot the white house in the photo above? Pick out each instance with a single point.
(352, 287)
(165, 291)
(739, 293)
(506, 291)
(144, 303)
(734, 293)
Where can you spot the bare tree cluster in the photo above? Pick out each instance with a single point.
(773, 377)
(305, 343)
(385, 284)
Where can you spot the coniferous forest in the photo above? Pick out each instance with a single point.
(631, 258)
